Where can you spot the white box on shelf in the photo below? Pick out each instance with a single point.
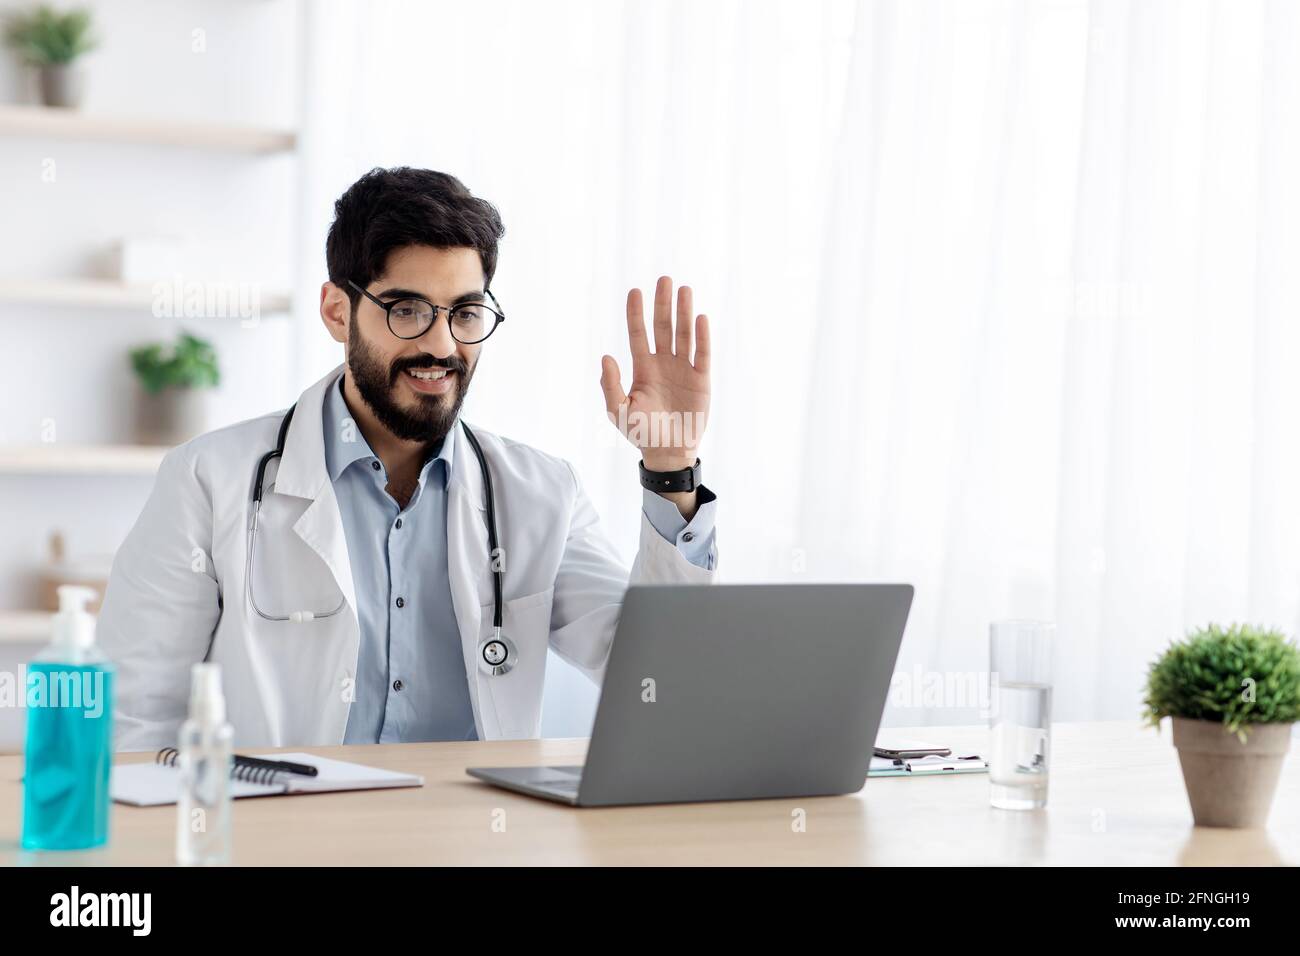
(146, 260)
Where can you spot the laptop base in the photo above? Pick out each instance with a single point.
(559, 784)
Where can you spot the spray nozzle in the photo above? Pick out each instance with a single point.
(207, 703)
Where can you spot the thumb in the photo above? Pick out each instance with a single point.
(611, 386)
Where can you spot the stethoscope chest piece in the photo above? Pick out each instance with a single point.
(497, 654)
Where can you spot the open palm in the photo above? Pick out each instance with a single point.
(665, 411)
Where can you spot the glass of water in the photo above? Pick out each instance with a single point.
(1020, 701)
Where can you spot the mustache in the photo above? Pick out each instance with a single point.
(451, 363)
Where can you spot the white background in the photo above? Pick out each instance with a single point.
(1003, 294)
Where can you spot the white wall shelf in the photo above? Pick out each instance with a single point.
(106, 294)
(39, 121)
(25, 627)
(58, 458)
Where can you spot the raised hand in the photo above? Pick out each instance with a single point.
(665, 411)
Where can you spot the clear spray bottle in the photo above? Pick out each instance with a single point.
(205, 761)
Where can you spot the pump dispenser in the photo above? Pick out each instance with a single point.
(74, 626)
(69, 752)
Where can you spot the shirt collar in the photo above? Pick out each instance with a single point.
(345, 445)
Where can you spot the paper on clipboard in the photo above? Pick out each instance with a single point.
(957, 761)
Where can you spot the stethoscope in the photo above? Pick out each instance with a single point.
(496, 654)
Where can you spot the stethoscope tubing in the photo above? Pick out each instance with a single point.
(496, 556)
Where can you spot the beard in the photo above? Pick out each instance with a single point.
(433, 415)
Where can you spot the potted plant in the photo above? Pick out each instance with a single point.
(174, 386)
(1233, 694)
(51, 42)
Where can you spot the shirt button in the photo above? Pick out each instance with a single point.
(397, 684)
(689, 536)
(399, 523)
(374, 465)
(401, 602)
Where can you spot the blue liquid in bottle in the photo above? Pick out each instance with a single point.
(69, 746)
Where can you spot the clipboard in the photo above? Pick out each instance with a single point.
(925, 766)
(899, 757)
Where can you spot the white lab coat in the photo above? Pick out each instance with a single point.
(177, 591)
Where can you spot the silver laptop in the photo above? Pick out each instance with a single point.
(734, 692)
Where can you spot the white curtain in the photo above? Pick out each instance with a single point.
(1003, 294)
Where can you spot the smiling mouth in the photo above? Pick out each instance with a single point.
(428, 374)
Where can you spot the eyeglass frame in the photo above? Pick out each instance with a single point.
(388, 313)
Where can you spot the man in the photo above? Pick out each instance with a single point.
(360, 607)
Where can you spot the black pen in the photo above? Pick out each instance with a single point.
(302, 769)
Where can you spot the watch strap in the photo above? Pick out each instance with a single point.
(686, 479)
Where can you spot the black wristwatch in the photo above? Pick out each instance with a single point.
(687, 479)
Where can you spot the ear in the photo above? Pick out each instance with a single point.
(335, 311)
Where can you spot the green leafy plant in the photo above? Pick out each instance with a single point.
(1240, 675)
(190, 363)
(46, 37)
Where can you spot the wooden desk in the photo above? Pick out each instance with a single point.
(1116, 798)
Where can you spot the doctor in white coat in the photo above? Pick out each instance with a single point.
(359, 609)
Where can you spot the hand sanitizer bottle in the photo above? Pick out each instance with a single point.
(69, 751)
(205, 763)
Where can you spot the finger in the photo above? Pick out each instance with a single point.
(664, 316)
(702, 344)
(685, 309)
(636, 338)
(611, 385)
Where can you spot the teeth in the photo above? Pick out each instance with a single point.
(427, 375)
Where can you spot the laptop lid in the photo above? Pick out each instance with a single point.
(728, 692)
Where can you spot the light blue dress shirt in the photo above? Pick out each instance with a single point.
(410, 683)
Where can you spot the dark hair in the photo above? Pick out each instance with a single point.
(388, 209)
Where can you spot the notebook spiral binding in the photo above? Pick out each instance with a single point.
(251, 774)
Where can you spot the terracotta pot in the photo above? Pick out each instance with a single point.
(1230, 784)
(62, 86)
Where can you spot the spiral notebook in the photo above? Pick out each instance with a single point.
(158, 784)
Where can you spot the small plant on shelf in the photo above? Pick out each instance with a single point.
(45, 37)
(190, 363)
(175, 380)
(52, 41)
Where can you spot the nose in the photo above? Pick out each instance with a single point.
(436, 339)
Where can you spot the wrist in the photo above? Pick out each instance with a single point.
(667, 459)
